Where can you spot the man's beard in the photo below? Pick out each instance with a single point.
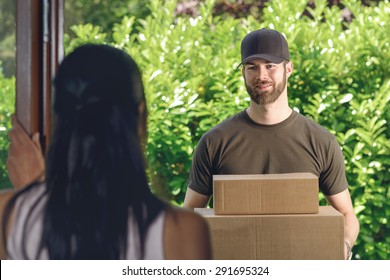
(263, 97)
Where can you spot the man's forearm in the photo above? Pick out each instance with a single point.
(195, 200)
(351, 231)
(351, 228)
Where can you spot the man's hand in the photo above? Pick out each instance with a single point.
(25, 161)
(347, 250)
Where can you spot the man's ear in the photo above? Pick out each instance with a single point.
(289, 68)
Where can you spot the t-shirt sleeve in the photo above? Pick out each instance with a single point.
(333, 179)
(200, 179)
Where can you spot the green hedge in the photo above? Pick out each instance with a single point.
(341, 80)
(7, 101)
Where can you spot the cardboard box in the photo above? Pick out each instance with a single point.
(289, 193)
(277, 237)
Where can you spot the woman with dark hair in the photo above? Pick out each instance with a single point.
(95, 202)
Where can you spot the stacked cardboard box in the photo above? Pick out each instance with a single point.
(275, 217)
(290, 193)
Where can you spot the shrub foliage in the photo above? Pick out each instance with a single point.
(341, 80)
(7, 101)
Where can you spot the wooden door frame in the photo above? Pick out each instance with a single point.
(39, 49)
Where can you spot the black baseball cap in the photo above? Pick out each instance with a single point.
(264, 43)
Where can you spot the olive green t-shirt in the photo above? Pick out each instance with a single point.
(238, 145)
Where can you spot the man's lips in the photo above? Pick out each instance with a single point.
(264, 85)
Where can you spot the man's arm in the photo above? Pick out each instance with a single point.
(194, 199)
(342, 203)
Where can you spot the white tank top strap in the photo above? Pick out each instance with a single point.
(154, 239)
(154, 245)
(26, 230)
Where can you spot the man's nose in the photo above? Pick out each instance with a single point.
(263, 74)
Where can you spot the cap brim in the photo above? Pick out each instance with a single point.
(271, 58)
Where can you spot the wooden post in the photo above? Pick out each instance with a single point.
(27, 64)
(39, 39)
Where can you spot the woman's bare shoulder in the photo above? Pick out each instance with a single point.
(186, 235)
